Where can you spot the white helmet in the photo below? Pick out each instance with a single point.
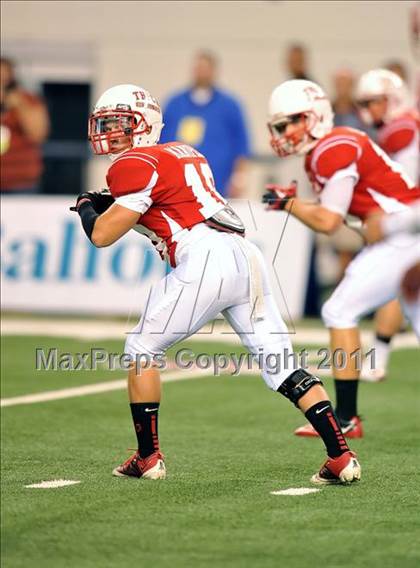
(288, 102)
(132, 112)
(380, 83)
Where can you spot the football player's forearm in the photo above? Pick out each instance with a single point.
(100, 237)
(114, 223)
(314, 216)
(104, 233)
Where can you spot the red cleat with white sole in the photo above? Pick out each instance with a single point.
(344, 469)
(353, 429)
(152, 467)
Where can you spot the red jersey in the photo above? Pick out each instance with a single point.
(379, 182)
(171, 186)
(399, 133)
(400, 139)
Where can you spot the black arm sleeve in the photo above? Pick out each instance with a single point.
(88, 216)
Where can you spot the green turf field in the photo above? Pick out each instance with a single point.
(227, 443)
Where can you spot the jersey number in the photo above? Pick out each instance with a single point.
(203, 187)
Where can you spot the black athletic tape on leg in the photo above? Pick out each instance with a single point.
(88, 216)
(298, 384)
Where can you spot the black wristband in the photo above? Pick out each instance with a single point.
(283, 202)
(88, 216)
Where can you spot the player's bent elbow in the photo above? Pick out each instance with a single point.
(329, 230)
(331, 224)
(99, 239)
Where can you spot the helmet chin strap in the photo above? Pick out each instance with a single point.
(291, 149)
(134, 144)
(301, 146)
(113, 157)
(306, 145)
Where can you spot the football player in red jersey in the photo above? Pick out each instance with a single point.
(351, 175)
(166, 192)
(385, 104)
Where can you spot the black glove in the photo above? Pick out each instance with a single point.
(277, 196)
(100, 200)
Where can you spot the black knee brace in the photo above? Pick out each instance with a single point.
(298, 384)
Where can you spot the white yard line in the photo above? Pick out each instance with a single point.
(53, 484)
(121, 384)
(296, 491)
(96, 388)
(101, 330)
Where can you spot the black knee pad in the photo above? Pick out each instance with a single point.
(298, 384)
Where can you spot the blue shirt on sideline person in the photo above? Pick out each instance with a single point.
(211, 121)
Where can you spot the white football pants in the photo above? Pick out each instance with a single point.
(372, 279)
(212, 276)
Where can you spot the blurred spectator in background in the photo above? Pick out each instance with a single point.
(344, 105)
(397, 67)
(212, 121)
(415, 31)
(24, 127)
(297, 62)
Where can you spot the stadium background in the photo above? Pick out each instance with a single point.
(207, 515)
(72, 51)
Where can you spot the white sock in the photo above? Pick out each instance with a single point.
(382, 352)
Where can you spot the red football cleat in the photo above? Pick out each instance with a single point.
(152, 467)
(344, 469)
(353, 429)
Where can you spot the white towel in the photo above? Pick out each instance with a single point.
(256, 291)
